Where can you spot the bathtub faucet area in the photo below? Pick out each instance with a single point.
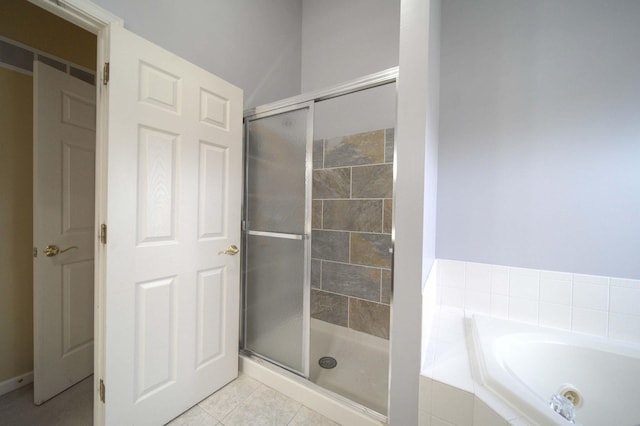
(522, 363)
(564, 407)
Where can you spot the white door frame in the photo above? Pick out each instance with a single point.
(96, 20)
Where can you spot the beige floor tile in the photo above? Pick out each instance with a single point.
(265, 407)
(229, 397)
(308, 417)
(196, 416)
(244, 402)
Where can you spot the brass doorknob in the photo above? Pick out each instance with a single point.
(232, 250)
(53, 250)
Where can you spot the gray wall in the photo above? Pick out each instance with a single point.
(539, 162)
(346, 39)
(343, 40)
(358, 112)
(255, 45)
(432, 139)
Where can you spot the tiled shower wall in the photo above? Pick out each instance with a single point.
(351, 238)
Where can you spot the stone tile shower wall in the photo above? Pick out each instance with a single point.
(351, 237)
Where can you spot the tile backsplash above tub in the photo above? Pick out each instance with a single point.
(602, 306)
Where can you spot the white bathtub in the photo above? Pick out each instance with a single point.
(525, 365)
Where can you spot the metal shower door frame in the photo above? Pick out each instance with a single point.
(388, 76)
(306, 237)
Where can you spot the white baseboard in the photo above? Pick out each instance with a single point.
(295, 388)
(16, 382)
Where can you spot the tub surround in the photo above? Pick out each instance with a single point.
(602, 306)
(351, 236)
(450, 390)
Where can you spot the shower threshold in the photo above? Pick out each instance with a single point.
(360, 378)
(330, 404)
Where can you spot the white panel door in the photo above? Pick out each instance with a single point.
(173, 209)
(64, 169)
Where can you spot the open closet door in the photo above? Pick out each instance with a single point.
(173, 209)
(64, 152)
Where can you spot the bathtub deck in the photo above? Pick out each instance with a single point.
(449, 387)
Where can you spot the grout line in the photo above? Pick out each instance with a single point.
(384, 146)
(355, 232)
(297, 411)
(383, 215)
(350, 182)
(349, 296)
(353, 264)
(538, 301)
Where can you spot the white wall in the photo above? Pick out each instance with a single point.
(539, 161)
(255, 45)
(414, 218)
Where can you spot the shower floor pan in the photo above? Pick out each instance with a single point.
(362, 370)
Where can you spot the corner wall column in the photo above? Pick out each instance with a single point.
(415, 199)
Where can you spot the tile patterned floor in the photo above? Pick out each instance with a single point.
(245, 401)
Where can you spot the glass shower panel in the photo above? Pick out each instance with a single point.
(352, 246)
(274, 311)
(277, 245)
(276, 155)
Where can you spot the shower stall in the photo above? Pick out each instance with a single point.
(317, 237)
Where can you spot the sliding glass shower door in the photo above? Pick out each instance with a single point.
(277, 232)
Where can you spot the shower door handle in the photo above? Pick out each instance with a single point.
(231, 251)
(278, 235)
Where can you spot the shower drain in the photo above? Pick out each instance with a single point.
(327, 362)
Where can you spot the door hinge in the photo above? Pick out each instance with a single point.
(35, 252)
(105, 73)
(102, 391)
(103, 233)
